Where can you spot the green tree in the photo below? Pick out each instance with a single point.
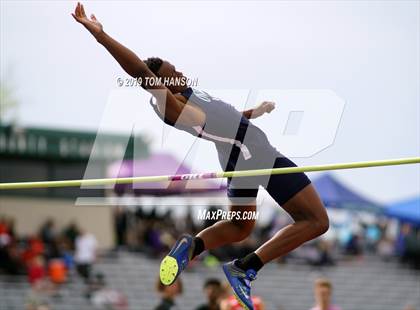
(8, 103)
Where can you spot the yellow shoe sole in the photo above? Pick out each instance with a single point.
(168, 270)
(245, 307)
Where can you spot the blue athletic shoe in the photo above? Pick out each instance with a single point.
(176, 261)
(240, 281)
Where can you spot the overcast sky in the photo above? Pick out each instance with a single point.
(367, 53)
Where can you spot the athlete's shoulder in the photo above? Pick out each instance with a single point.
(181, 98)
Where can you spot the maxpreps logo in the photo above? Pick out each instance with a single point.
(204, 214)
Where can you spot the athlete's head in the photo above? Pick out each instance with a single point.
(164, 69)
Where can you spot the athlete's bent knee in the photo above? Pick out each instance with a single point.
(322, 225)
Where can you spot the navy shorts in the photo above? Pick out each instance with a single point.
(281, 187)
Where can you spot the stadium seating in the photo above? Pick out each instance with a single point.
(368, 284)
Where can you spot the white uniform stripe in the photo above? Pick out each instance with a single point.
(244, 150)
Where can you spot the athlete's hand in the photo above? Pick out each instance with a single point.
(92, 24)
(264, 107)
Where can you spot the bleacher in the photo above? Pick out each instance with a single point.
(368, 284)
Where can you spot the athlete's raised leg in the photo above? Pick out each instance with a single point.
(310, 221)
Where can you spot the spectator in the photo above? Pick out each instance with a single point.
(95, 284)
(401, 242)
(385, 248)
(325, 257)
(168, 294)
(67, 254)
(213, 291)
(408, 245)
(37, 277)
(152, 235)
(10, 260)
(229, 302)
(49, 236)
(323, 292)
(189, 225)
(109, 299)
(6, 231)
(70, 234)
(86, 252)
(3, 226)
(373, 236)
(102, 297)
(354, 246)
(34, 247)
(47, 232)
(57, 272)
(36, 270)
(9, 254)
(120, 224)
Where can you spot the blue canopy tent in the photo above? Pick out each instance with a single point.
(336, 195)
(406, 211)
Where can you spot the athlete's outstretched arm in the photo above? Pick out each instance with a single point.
(125, 57)
(174, 110)
(264, 107)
